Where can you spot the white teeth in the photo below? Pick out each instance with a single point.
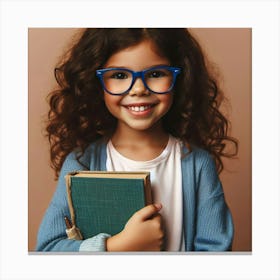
(139, 108)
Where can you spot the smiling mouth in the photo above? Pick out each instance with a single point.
(140, 107)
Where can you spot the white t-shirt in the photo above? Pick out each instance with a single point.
(166, 182)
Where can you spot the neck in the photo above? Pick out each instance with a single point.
(125, 136)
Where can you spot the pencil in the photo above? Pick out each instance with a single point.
(67, 223)
(71, 230)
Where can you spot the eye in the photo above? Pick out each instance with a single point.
(157, 73)
(119, 75)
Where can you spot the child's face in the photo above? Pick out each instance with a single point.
(139, 109)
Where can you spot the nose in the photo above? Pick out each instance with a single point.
(138, 88)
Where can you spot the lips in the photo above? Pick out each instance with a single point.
(140, 107)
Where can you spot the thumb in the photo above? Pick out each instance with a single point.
(148, 211)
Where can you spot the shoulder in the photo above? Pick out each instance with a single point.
(198, 161)
(83, 160)
(200, 172)
(195, 154)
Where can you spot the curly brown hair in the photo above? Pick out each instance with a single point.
(78, 115)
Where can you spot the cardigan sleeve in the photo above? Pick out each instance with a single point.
(214, 225)
(52, 235)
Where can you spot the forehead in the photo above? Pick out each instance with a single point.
(137, 57)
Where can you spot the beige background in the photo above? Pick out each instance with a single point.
(229, 48)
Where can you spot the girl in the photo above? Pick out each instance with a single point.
(138, 100)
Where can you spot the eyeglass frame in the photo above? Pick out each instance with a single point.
(139, 74)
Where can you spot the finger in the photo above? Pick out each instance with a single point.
(148, 211)
(157, 217)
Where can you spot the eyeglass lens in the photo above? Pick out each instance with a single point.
(157, 80)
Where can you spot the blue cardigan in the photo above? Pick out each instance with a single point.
(207, 223)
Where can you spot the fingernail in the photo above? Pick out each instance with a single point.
(158, 206)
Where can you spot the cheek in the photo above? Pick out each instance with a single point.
(111, 102)
(167, 100)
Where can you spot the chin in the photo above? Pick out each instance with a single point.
(142, 126)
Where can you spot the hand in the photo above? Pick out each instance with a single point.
(142, 232)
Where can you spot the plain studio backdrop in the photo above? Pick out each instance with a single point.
(229, 49)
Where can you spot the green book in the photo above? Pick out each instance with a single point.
(102, 202)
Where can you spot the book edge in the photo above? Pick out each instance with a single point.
(69, 197)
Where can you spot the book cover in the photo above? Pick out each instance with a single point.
(102, 202)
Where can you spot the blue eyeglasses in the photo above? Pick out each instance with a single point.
(158, 79)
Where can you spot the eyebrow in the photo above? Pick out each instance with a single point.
(125, 67)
